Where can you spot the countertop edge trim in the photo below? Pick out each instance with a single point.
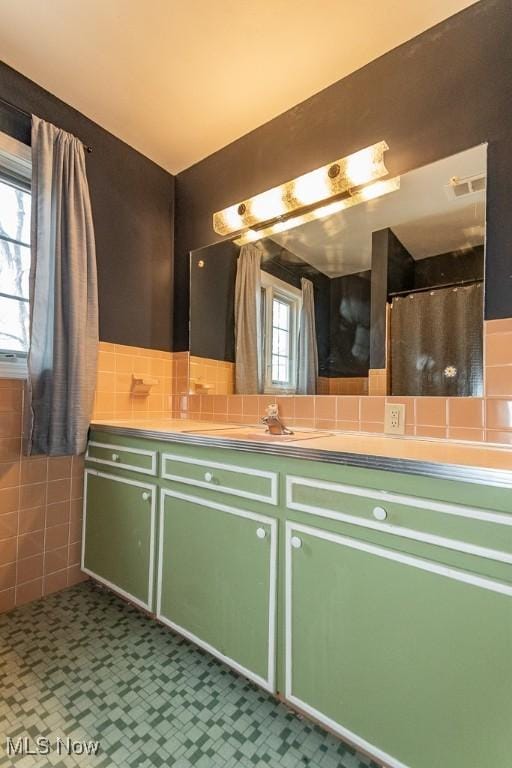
(461, 472)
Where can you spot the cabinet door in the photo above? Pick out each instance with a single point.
(406, 658)
(217, 581)
(119, 533)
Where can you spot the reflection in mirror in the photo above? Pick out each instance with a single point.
(385, 297)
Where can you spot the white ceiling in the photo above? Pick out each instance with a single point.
(422, 214)
(179, 79)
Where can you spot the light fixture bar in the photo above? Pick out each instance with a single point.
(370, 192)
(312, 188)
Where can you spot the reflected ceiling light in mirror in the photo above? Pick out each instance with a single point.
(331, 180)
(372, 191)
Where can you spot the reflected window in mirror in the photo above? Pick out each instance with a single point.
(280, 305)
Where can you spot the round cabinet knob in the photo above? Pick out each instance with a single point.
(208, 477)
(115, 457)
(146, 496)
(296, 542)
(261, 533)
(379, 513)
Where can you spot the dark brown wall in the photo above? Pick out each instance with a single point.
(438, 94)
(132, 201)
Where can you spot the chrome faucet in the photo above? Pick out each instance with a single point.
(273, 422)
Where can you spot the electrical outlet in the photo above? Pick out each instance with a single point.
(394, 419)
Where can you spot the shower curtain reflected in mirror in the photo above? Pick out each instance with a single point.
(436, 342)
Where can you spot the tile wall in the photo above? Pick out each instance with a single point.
(355, 385)
(40, 512)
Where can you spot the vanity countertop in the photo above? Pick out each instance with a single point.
(473, 462)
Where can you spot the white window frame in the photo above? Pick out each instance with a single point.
(273, 287)
(16, 156)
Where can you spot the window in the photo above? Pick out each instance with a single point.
(15, 172)
(281, 305)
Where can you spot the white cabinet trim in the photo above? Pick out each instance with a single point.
(153, 490)
(397, 530)
(271, 476)
(269, 682)
(120, 465)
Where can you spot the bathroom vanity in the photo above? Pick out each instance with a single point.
(372, 593)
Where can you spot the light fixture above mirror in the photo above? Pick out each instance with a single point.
(344, 179)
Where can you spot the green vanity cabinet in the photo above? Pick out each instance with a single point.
(119, 534)
(377, 602)
(217, 580)
(406, 658)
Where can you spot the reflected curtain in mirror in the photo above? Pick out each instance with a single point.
(63, 296)
(436, 342)
(307, 373)
(248, 349)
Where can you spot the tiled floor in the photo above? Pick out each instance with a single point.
(82, 664)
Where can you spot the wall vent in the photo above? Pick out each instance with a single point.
(460, 187)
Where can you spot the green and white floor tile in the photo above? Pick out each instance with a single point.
(83, 665)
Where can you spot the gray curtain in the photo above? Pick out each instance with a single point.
(436, 342)
(248, 348)
(63, 297)
(307, 373)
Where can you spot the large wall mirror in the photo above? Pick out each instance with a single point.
(384, 297)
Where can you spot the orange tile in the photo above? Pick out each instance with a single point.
(235, 405)
(498, 414)
(56, 537)
(55, 560)
(125, 363)
(54, 582)
(31, 520)
(32, 590)
(57, 513)
(10, 448)
(59, 467)
(498, 349)
(325, 407)
(7, 576)
(465, 433)
(304, 407)
(106, 361)
(9, 474)
(105, 381)
(78, 466)
(220, 404)
(30, 544)
(372, 426)
(34, 470)
(497, 436)
(32, 495)
(10, 424)
(347, 426)
(250, 406)
(466, 412)
(498, 380)
(499, 326)
(77, 487)
(9, 500)
(325, 424)
(58, 490)
(8, 548)
(430, 431)
(11, 400)
(372, 409)
(347, 408)
(6, 600)
(74, 553)
(8, 524)
(29, 568)
(431, 411)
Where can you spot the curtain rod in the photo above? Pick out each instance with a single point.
(27, 114)
(473, 281)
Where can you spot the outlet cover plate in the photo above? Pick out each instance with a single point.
(394, 419)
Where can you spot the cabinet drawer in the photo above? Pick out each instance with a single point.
(111, 455)
(457, 527)
(248, 483)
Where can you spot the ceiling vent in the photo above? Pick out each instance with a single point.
(470, 185)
